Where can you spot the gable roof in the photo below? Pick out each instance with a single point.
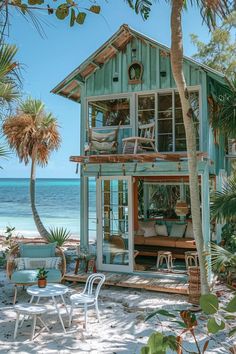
(70, 86)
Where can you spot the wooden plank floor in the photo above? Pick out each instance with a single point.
(161, 282)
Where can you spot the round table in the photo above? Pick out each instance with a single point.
(51, 291)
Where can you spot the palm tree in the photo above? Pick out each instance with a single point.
(209, 10)
(33, 135)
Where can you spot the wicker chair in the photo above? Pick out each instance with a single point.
(15, 253)
(117, 248)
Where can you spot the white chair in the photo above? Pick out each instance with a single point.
(89, 297)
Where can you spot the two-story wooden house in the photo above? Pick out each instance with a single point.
(133, 149)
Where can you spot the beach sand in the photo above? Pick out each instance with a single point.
(122, 328)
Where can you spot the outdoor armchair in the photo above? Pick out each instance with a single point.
(36, 253)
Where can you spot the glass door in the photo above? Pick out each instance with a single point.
(114, 232)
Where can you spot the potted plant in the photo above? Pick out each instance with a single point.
(42, 277)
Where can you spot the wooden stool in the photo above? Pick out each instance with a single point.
(164, 256)
(34, 311)
(191, 258)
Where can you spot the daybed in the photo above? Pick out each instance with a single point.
(176, 237)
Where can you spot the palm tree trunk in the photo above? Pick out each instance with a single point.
(41, 229)
(177, 69)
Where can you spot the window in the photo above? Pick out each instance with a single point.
(171, 132)
(146, 109)
(112, 112)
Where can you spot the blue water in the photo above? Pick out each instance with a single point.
(57, 201)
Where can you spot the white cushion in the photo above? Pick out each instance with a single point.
(177, 230)
(147, 228)
(35, 263)
(189, 231)
(161, 230)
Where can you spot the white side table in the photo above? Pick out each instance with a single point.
(34, 311)
(51, 291)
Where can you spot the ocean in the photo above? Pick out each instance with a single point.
(57, 201)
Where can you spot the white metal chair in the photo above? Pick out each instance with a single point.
(89, 297)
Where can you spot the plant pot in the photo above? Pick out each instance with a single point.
(42, 283)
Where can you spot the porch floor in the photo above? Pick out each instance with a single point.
(160, 281)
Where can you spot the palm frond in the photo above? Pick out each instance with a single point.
(32, 107)
(223, 206)
(221, 258)
(59, 235)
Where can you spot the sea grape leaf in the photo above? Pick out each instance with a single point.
(232, 332)
(209, 304)
(72, 17)
(213, 327)
(95, 9)
(62, 11)
(155, 342)
(231, 307)
(80, 18)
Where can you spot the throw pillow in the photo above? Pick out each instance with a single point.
(35, 263)
(148, 227)
(37, 250)
(189, 231)
(177, 230)
(161, 230)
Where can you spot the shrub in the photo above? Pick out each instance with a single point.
(59, 235)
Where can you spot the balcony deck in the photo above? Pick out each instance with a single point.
(123, 158)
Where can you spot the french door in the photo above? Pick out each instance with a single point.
(115, 224)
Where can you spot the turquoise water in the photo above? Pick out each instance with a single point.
(57, 200)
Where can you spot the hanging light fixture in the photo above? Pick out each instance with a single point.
(181, 208)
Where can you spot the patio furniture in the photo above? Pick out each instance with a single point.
(50, 291)
(145, 140)
(34, 250)
(191, 259)
(117, 247)
(34, 311)
(89, 297)
(164, 256)
(102, 142)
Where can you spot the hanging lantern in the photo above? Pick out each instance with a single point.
(181, 208)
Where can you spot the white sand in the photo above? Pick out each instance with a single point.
(122, 328)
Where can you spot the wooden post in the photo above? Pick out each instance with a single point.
(194, 285)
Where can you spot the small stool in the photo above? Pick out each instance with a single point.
(34, 311)
(191, 258)
(164, 256)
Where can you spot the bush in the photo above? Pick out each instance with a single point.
(59, 235)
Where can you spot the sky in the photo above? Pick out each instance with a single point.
(46, 61)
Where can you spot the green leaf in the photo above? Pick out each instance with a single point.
(155, 342)
(81, 18)
(145, 350)
(170, 342)
(72, 17)
(213, 327)
(160, 312)
(231, 307)
(229, 317)
(182, 324)
(232, 332)
(62, 11)
(95, 9)
(209, 304)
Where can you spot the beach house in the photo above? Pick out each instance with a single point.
(133, 152)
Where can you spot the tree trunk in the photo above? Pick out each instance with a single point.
(41, 229)
(177, 69)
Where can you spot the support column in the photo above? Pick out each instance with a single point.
(205, 197)
(84, 240)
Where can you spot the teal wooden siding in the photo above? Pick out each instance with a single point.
(156, 75)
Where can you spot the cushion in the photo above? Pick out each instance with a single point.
(148, 228)
(35, 263)
(161, 230)
(177, 230)
(38, 250)
(30, 276)
(189, 231)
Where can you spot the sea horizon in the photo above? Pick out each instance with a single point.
(57, 202)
